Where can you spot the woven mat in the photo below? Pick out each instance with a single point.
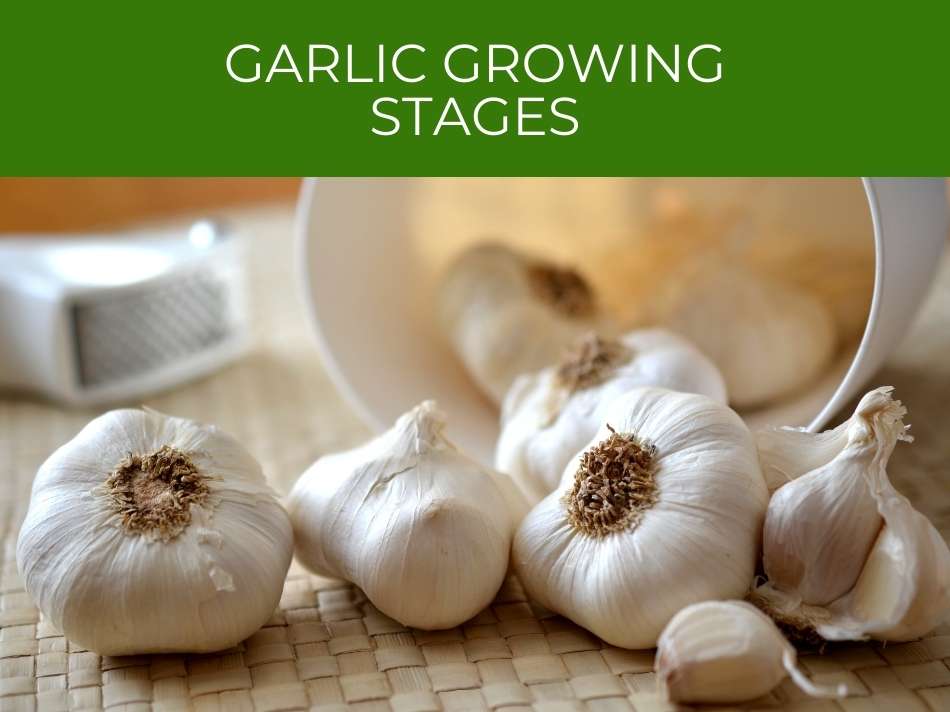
(328, 648)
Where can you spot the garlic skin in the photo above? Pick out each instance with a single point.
(421, 528)
(720, 652)
(845, 553)
(506, 313)
(153, 534)
(687, 501)
(768, 339)
(550, 415)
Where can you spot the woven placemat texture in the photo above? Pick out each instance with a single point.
(328, 648)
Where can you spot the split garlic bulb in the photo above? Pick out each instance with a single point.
(422, 529)
(719, 652)
(550, 415)
(152, 534)
(845, 553)
(767, 338)
(662, 509)
(506, 313)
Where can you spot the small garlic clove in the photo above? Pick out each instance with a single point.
(506, 313)
(422, 529)
(820, 527)
(720, 652)
(550, 415)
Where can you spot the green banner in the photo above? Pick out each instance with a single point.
(687, 88)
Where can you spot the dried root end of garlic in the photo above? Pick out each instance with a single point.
(169, 521)
(422, 529)
(721, 652)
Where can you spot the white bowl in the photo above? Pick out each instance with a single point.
(370, 288)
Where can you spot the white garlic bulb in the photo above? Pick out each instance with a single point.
(662, 509)
(767, 338)
(844, 552)
(152, 534)
(550, 415)
(719, 652)
(421, 528)
(506, 313)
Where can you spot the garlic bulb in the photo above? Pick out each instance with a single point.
(662, 509)
(152, 534)
(767, 338)
(550, 415)
(844, 552)
(422, 529)
(718, 652)
(507, 314)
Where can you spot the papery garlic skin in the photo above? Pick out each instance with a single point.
(506, 313)
(546, 420)
(768, 339)
(120, 592)
(845, 553)
(694, 531)
(422, 529)
(719, 652)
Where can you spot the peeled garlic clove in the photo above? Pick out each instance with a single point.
(550, 415)
(768, 339)
(718, 652)
(421, 528)
(662, 509)
(820, 527)
(506, 313)
(152, 534)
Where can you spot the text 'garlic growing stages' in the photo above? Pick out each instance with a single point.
(768, 338)
(151, 534)
(422, 529)
(506, 314)
(550, 415)
(720, 652)
(662, 509)
(846, 555)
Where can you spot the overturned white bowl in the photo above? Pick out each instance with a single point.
(370, 294)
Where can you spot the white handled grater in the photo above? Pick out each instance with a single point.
(89, 320)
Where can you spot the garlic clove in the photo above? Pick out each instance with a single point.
(820, 527)
(663, 508)
(848, 556)
(153, 534)
(421, 528)
(506, 313)
(550, 415)
(720, 652)
(768, 338)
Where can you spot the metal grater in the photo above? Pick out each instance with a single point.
(90, 321)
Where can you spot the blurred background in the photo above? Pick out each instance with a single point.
(52, 204)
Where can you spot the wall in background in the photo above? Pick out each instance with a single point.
(54, 204)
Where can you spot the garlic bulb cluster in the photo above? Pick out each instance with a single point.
(768, 339)
(720, 652)
(662, 509)
(507, 314)
(846, 554)
(152, 534)
(422, 529)
(550, 415)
